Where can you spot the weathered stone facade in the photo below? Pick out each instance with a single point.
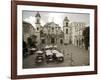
(77, 33)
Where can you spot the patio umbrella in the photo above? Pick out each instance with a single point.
(39, 52)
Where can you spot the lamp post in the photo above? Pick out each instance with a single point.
(71, 59)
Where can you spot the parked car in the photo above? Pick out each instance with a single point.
(39, 59)
(58, 56)
(49, 56)
(32, 50)
(39, 56)
(48, 53)
(39, 52)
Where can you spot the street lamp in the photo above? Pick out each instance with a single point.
(71, 59)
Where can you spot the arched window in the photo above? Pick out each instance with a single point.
(52, 29)
(61, 41)
(41, 32)
(66, 24)
(66, 31)
(37, 28)
(43, 41)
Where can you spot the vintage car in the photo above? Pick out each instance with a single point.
(48, 53)
(39, 59)
(39, 56)
(32, 50)
(49, 56)
(39, 52)
(58, 56)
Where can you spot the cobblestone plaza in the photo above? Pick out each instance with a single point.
(73, 56)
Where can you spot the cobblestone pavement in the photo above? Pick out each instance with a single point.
(73, 56)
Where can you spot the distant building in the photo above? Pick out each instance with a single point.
(77, 33)
(28, 30)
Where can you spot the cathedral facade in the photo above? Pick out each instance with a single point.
(51, 33)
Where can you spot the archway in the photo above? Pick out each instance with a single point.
(52, 40)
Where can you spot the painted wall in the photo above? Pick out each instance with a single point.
(5, 40)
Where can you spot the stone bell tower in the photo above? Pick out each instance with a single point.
(66, 30)
(38, 27)
(38, 24)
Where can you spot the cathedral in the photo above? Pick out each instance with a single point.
(51, 33)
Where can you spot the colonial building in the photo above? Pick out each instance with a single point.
(28, 30)
(51, 33)
(77, 33)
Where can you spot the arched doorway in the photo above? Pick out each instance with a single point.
(61, 41)
(43, 41)
(52, 40)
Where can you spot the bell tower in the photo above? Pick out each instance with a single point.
(38, 27)
(38, 24)
(66, 30)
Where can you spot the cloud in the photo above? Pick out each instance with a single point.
(30, 20)
(56, 17)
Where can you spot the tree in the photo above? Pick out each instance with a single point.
(86, 37)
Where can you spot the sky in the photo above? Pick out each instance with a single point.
(57, 17)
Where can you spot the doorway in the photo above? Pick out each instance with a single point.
(61, 41)
(52, 40)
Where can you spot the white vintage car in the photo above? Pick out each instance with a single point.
(39, 57)
(58, 56)
(49, 56)
(49, 53)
